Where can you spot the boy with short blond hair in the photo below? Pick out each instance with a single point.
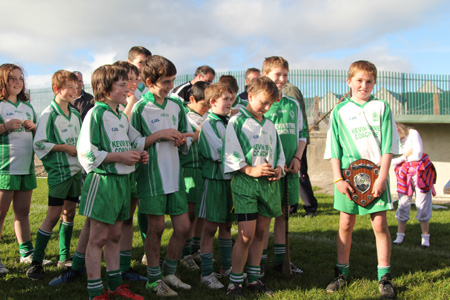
(217, 202)
(362, 112)
(287, 116)
(254, 154)
(55, 144)
(108, 149)
(160, 183)
(191, 164)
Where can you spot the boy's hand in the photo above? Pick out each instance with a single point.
(344, 187)
(277, 176)
(183, 140)
(29, 125)
(294, 167)
(378, 187)
(144, 157)
(129, 158)
(170, 134)
(13, 124)
(262, 170)
(71, 150)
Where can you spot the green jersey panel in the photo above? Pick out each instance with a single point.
(192, 159)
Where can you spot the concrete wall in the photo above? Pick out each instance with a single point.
(436, 143)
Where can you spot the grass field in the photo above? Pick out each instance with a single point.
(418, 273)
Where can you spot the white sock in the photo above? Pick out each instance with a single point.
(425, 240)
(400, 237)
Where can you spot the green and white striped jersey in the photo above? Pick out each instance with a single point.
(140, 91)
(250, 142)
(16, 147)
(210, 147)
(287, 116)
(361, 131)
(106, 131)
(55, 128)
(192, 159)
(239, 103)
(163, 172)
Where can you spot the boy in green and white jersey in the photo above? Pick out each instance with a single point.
(55, 144)
(287, 116)
(191, 165)
(231, 82)
(362, 127)
(108, 149)
(160, 182)
(217, 203)
(138, 55)
(254, 154)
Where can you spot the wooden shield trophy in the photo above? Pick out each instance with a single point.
(361, 175)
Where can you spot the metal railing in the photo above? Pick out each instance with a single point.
(406, 93)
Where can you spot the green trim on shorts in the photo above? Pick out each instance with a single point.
(342, 203)
(106, 197)
(133, 186)
(256, 195)
(294, 190)
(69, 188)
(18, 182)
(171, 204)
(217, 201)
(193, 180)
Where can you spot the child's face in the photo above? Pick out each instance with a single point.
(15, 82)
(139, 61)
(68, 92)
(258, 104)
(251, 76)
(222, 105)
(279, 76)
(119, 92)
(162, 87)
(200, 107)
(132, 82)
(361, 85)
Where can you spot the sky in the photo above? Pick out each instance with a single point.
(410, 36)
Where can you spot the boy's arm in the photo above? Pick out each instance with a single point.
(380, 184)
(41, 144)
(294, 168)
(69, 149)
(341, 185)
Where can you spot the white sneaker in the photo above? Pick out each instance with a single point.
(144, 260)
(225, 273)
(211, 281)
(425, 240)
(161, 289)
(189, 263)
(176, 282)
(3, 270)
(29, 259)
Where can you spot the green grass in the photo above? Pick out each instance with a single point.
(418, 273)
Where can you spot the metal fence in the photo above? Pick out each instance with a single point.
(407, 94)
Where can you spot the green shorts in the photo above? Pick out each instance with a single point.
(256, 195)
(193, 180)
(18, 182)
(342, 203)
(106, 198)
(217, 201)
(171, 204)
(294, 190)
(133, 186)
(70, 188)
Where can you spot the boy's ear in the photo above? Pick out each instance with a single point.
(148, 82)
(212, 101)
(191, 99)
(264, 73)
(55, 89)
(250, 96)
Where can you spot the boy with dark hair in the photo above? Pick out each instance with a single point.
(191, 164)
(287, 116)
(254, 154)
(108, 148)
(160, 183)
(249, 75)
(202, 73)
(217, 202)
(55, 144)
(362, 113)
(231, 82)
(137, 56)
